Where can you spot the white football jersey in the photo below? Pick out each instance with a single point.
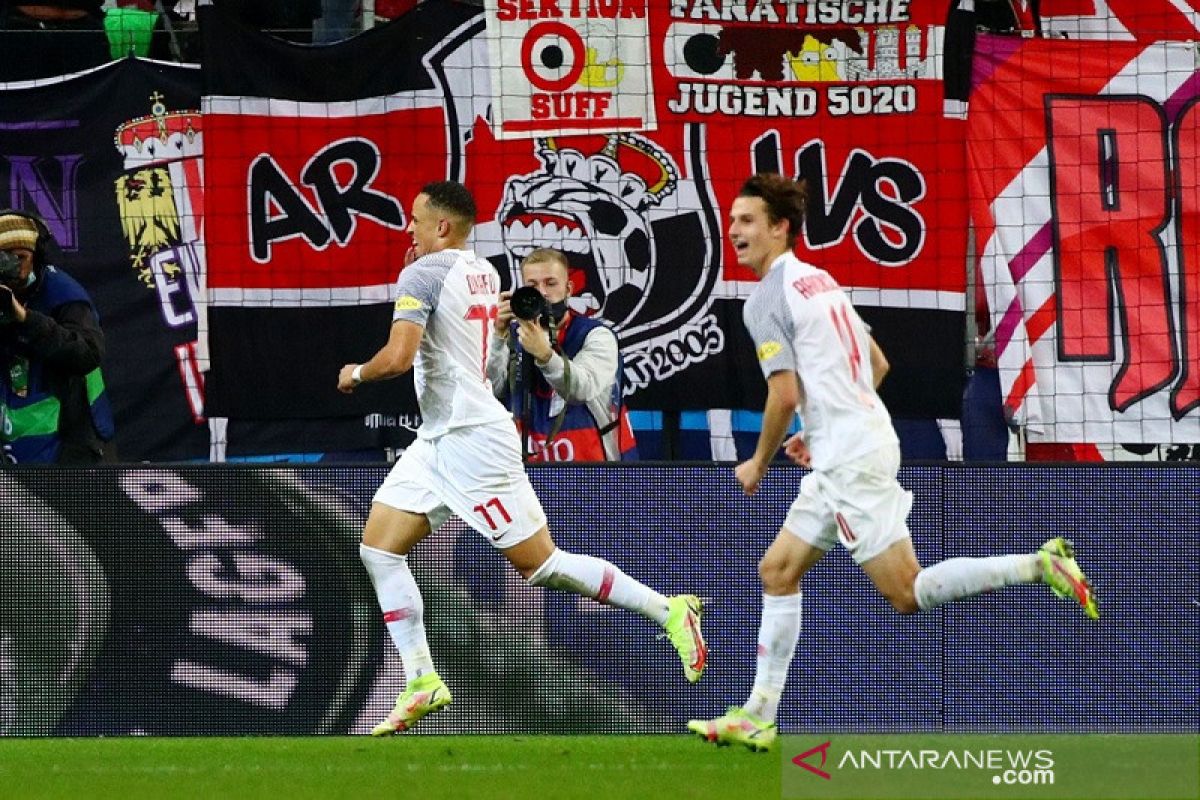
(801, 320)
(454, 294)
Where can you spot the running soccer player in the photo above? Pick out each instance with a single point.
(466, 459)
(818, 357)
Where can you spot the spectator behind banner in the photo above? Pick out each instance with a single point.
(53, 405)
(339, 20)
(130, 28)
(286, 19)
(153, 29)
(576, 411)
(50, 38)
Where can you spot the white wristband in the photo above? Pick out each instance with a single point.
(356, 375)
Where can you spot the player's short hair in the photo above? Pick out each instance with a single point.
(453, 199)
(543, 254)
(783, 197)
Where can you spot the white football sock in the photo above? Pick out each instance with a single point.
(600, 580)
(403, 608)
(778, 632)
(956, 578)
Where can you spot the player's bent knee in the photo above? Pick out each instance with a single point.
(545, 573)
(530, 556)
(905, 603)
(778, 576)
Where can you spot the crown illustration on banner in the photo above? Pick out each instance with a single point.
(635, 157)
(160, 136)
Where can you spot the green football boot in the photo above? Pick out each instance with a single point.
(683, 629)
(738, 726)
(422, 696)
(1064, 577)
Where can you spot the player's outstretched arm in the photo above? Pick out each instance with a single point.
(783, 394)
(394, 359)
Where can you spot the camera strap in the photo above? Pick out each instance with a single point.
(520, 359)
(558, 422)
(519, 370)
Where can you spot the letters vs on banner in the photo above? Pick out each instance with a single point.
(1086, 197)
(314, 155)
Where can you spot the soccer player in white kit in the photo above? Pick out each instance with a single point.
(819, 359)
(466, 459)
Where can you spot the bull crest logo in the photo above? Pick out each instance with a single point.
(607, 202)
(591, 199)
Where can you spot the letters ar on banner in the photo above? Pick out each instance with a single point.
(312, 159)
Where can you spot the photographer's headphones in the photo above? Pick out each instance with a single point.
(45, 239)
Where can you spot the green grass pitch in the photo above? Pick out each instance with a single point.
(429, 767)
(418, 767)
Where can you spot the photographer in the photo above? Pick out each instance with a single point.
(575, 411)
(53, 405)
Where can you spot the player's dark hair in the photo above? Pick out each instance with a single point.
(783, 197)
(452, 198)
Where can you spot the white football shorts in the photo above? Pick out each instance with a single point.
(859, 503)
(475, 473)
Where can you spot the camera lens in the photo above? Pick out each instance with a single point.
(527, 303)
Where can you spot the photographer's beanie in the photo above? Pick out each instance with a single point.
(17, 231)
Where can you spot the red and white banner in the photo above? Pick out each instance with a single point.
(569, 66)
(308, 191)
(1140, 20)
(849, 97)
(312, 159)
(1085, 165)
(307, 185)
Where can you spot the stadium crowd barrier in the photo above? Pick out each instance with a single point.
(230, 600)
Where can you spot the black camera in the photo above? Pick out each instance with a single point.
(10, 267)
(528, 304)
